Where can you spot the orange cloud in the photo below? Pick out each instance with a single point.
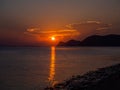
(44, 34)
(90, 24)
(74, 30)
(97, 22)
(89, 27)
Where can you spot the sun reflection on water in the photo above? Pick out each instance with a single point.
(52, 67)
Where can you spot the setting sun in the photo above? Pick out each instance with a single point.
(53, 38)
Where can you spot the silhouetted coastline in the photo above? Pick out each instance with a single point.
(107, 78)
(95, 40)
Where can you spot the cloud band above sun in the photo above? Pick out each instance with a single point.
(70, 31)
(36, 32)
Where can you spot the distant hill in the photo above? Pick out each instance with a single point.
(95, 40)
(70, 43)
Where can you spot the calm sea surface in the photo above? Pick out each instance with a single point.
(34, 68)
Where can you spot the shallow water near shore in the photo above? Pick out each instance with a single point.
(34, 68)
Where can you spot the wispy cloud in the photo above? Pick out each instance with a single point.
(97, 22)
(87, 28)
(48, 33)
(81, 29)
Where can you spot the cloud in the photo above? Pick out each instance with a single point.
(102, 28)
(89, 27)
(90, 24)
(48, 33)
(97, 22)
(74, 30)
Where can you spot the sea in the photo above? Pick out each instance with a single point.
(35, 68)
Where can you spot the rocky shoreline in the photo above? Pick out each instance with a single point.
(107, 78)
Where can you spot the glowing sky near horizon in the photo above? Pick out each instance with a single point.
(34, 21)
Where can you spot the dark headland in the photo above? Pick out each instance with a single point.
(107, 78)
(95, 40)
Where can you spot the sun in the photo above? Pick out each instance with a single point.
(53, 38)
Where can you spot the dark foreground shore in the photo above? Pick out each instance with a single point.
(107, 78)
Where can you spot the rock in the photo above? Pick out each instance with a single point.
(103, 79)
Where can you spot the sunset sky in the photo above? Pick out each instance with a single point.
(34, 22)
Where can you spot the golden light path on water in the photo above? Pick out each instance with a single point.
(52, 67)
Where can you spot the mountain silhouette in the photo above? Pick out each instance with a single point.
(70, 43)
(95, 40)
